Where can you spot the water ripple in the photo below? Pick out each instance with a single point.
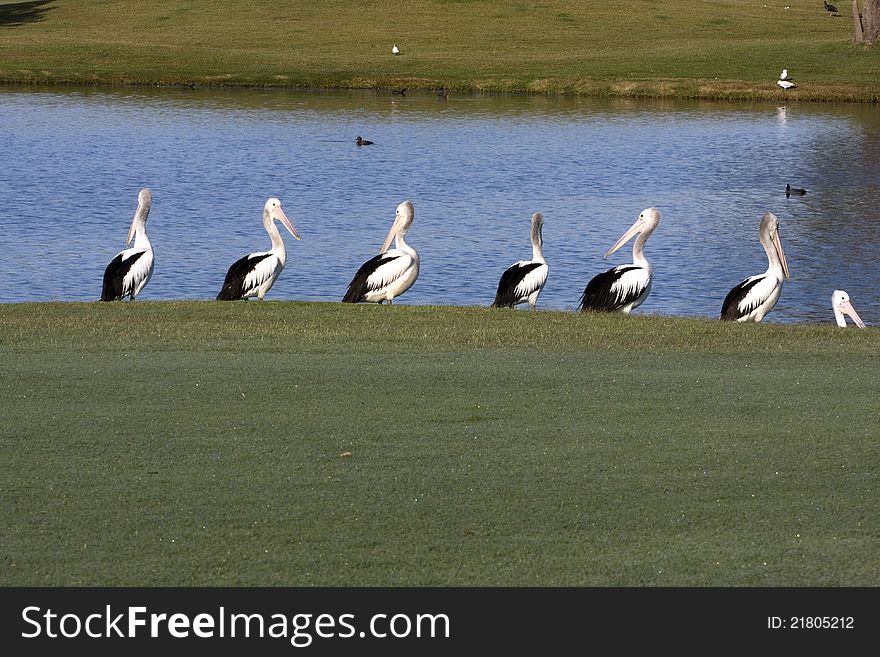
(476, 168)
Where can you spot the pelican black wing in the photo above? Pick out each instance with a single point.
(730, 309)
(233, 284)
(505, 296)
(113, 288)
(359, 287)
(601, 295)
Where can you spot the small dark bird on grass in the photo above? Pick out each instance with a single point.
(360, 141)
(789, 190)
(831, 9)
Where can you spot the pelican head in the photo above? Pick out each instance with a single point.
(272, 211)
(769, 235)
(145, 201)
(647, 221)
(403, 218)
(841, 305)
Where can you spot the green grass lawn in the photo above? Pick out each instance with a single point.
(681, 48)
(285, 443)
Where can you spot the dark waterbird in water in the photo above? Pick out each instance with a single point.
(399, 92)
(360, 141)
(789, 190)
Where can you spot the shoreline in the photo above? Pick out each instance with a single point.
(680, 89)
(321, 306)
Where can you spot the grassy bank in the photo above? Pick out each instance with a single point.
(283, 443)
(677, 48)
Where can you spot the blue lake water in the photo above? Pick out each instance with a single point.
(475, 167)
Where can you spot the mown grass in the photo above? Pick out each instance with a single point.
(733, 49)
(281, 443)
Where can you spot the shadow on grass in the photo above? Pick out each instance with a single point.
(18, 13)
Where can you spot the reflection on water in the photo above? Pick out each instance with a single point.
(476, 168)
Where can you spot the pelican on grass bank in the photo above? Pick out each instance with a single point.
(131, 269)
(841, 305)
(625, 287)
(523, 281)
(754, 297)
(255, 274)
(393, 271)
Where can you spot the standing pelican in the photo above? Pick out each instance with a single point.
(841, 305)
(524, 280)
(254, 274)
(625, 287)
(392, 272)
(131, 269)
(752, 299)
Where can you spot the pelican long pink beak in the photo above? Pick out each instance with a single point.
(133, 229)
(392, 233)
(777, 244)
(278, 213)
(635, 229)
(846, 307)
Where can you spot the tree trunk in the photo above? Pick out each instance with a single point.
(858, 34)
(871, 20)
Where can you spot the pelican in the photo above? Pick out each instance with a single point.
(523, 281)
(254, 274)
(131, 269)
(625, 287)
(752, 299)
(392, 272)
(784, 73)
(395, 50)
(841, 305)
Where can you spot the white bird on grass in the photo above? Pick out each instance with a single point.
(254, 274)
(842, 306)
(131, 269)
(523, 281)
(393, 271)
